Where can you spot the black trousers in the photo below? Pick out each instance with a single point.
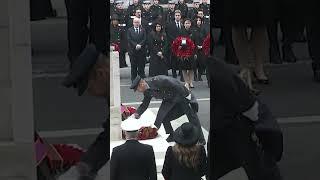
(122, 58)
(138, 63)
(313, 35)
(80, 13)
(170, 111)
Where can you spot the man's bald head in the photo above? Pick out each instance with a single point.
(136, 22)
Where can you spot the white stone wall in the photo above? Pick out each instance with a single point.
(115, 99)
(17, 160)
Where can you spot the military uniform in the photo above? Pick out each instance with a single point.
(157, 12)
(205, 8)
(148, 16)
(174, 102)
(98, 154)
(132, 9)
(193, 12)
(183, 8)
(169, 16)
(118, 36)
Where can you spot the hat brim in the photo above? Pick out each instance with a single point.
(191, 140)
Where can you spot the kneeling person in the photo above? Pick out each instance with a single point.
(177, 101)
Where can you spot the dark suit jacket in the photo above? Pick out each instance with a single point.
(172, 31)
(134, 39)
(173, 170)
(163, 87)
(133, 161)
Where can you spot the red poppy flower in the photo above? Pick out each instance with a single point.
(187, 51)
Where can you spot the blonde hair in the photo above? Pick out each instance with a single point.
(187, 155)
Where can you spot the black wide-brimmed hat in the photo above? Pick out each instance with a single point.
(187, 134)
(78, 75)
(135, 83)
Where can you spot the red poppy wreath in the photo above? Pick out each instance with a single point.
(188, 47)
(206, 45)
(116, 46)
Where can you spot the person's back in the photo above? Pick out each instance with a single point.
(133, 161)
(181, 171)
(186, 159)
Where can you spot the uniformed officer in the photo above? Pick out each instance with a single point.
(156, 11)
(182, 6)
(169, 14)
(133, 7)
(205, 7)
(90, 72)
(80, 13)
(121, 13)
(193, 12)
(118, 36)
(177, 101)
(147, 14)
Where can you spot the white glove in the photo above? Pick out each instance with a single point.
(189, 97)
(253, 112)
(138, 46)
(159, 53)
(199, 47)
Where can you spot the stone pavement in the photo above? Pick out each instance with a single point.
(159, 144)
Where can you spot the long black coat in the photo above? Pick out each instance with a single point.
(172, 168)
(233, 145)
(172, 33)
(134, 39)
(170, 90)
(133, 161)
(244, 12)
(156, 43)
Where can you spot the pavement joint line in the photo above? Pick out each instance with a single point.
(70, 132)
(159, 102)
(48, 75)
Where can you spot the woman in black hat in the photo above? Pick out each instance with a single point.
(157, 43)
(186, 159)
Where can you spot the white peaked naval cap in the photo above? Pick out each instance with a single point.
(131, 124)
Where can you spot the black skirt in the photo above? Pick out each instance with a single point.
(157, 66)
(187, 64)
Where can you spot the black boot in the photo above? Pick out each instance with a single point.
(195, 75)
(181, 78)
(288, 55)
(174, 73)
(200, 75)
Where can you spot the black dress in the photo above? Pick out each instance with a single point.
(188, 63)
(173, 170)
(199, 35)
(156, 43)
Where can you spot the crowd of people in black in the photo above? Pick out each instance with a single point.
(147, 31)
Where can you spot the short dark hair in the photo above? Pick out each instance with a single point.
(177, 11)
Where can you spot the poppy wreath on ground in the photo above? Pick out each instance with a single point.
(116, 46)
(186, 51)
(144, 132)
(206, 45)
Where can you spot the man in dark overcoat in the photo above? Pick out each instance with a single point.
(173, 30)
(177, 101)
(243, 132)
(137, 41)
(124, 158)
